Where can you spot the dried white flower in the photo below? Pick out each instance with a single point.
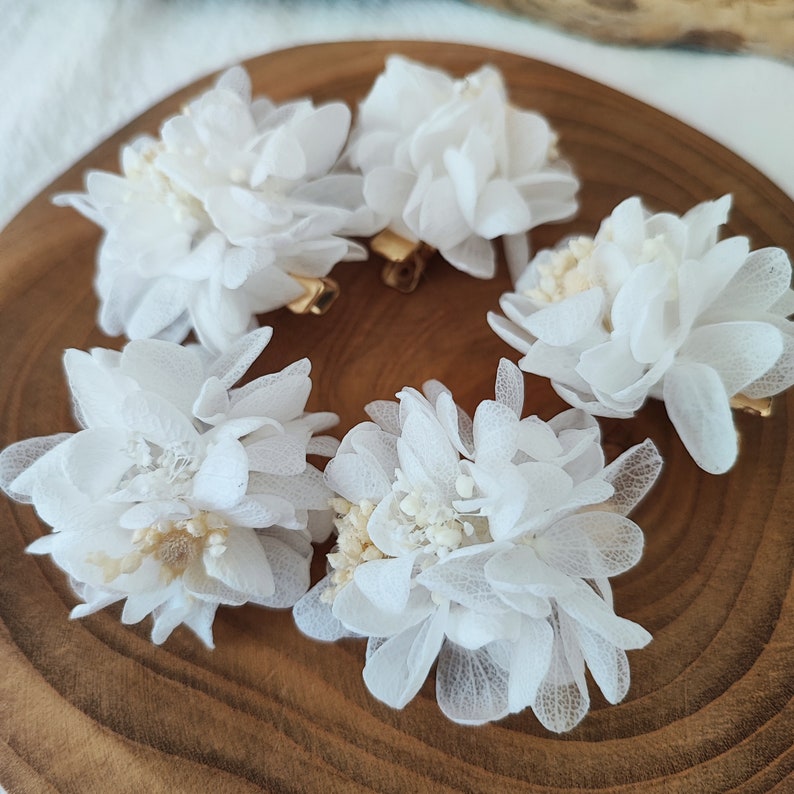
(655, 306)
(180, 493)
(486, 544)
(208, 224)
(452, 163)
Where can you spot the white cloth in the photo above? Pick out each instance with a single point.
(75, 72)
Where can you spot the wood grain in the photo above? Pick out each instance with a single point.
(765, 27)
(92, 706)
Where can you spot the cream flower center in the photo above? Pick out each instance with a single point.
(353, 546)
(434, 528)
(569, 272)
(164, 190)
(173, 544)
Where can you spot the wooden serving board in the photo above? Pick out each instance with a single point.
(93, 706)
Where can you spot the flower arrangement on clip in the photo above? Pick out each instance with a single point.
(656, 306)
(483, 544)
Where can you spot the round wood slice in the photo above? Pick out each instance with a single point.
(93, 706)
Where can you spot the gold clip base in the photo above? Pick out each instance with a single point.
(758, 406)
(406, 260)
(318, 295)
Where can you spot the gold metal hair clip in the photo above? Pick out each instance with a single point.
(758, 406)
(405, 260)
(318, 295)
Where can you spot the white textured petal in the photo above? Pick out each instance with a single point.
(501, 210)
(461, 578)
(243, 566)
(157, 420)
(562, 700)
(471, 686)
(472, 630)
(740, 352)
(529, 661)
(313, 615)
(591, 544)
(360, 615)
(397, 668)
(222, 478)
(631, 475)
(510, 386)
(386, 583)
(495, 433)
(698, 407)
(290, 571)
(566, 322)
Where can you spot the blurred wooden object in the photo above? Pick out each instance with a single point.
(92, 707)
(765, 27)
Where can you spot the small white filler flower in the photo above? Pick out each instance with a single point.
(208, 225)
(452, 164)
(486, 545)
(180, 493)
(656, 306)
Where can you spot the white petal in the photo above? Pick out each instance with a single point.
(587, 608)
(501, 210)
(358, 614)
(461, 578)
(145, 514)
(235, 361)
(313, 616)
(510, 386)
(96, 391)
(520, 570)
(386, 583)
(740, 352)
(472, 630)
(608, 664)
(568, 320)
(397, 668)
(632, 474)
(762, 280)
(441, 223)
(222, 479)
(495, 433)
(278, 454)
(290, 571)
(591, 544)
(698, 407)
(562, 700)
(243, 566)
(22, 462)
(172, 371)
(96, 460)
(529, 662)
(158, 420)
(471, 686)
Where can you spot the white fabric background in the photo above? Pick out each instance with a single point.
(73, 72)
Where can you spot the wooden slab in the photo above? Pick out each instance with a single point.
(765, 27)
(93, 706)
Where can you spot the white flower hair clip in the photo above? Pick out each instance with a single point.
(452, 165)
(225, 216)
(655, 306)
(485, 545)
(179, 493)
